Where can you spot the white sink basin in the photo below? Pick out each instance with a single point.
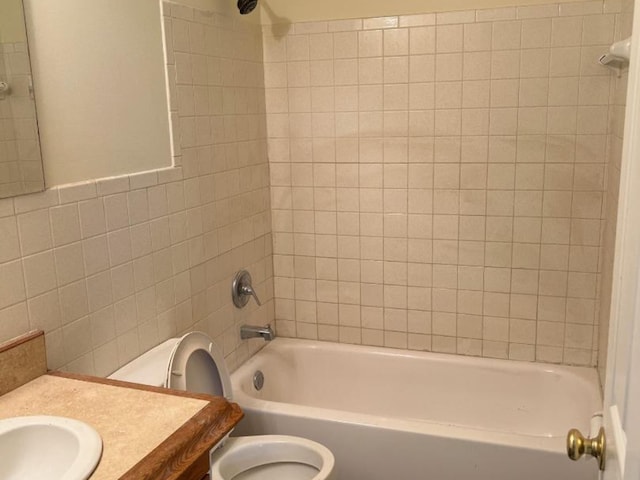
(47, 448)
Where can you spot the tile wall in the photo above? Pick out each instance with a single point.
(437, 180)
(20, 160)
(437, 183)
(110, 268)
(617, 102)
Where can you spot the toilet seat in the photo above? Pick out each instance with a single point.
(268, 457)
(197, 365)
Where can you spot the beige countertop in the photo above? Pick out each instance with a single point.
(147, 432)
(132, 422)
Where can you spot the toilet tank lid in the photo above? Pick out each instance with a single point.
(149, 368)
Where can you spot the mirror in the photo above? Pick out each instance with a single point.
(20, 158)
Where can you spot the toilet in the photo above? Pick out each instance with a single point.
(194, 363)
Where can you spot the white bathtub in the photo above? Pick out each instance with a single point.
(403, 415)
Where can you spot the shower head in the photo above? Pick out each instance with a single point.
(247, 6)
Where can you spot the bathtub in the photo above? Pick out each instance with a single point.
(404, 415)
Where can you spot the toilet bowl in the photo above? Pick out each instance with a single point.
(271, 457)
(194, 363)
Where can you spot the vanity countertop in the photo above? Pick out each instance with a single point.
(147, 432)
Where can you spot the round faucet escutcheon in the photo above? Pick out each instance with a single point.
(242, 289)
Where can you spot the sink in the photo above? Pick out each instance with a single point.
(47, 448)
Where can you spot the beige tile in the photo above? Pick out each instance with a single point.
(380, 22)
(506, 35)
(396, 42)
(345, 45)
(505, 64)
(370, 43)
(564, 62)
(477, 65)
(65, 224)
(14, 291)
(422, 68)
(422, 40)
(448, 67)
(44, 312)
(297, 47)
(321, 46)
(477, 37)
(69, 263)
(493, 14)
(417, 20)
(35, 232)
(536, 33)
(92, 218)
(463, 16)
(566, 32)
(449, 38)
(39, 273)
(598, 30)
(448, 95)
(536, 11)
(9, 240)
(475, 93)
(396, 69)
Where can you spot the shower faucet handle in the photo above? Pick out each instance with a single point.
(248, 290)
(241, 289)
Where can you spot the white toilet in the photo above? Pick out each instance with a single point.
(195, 364)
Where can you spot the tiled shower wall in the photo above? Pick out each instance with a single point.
(112, 267)
(217, 97)
(617, 103)
(437, 180)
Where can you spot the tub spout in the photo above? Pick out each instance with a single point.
(251, 331)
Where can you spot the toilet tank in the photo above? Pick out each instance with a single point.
(150, 368)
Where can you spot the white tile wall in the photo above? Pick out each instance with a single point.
(437, 181)
(617, 102)
(110, 268)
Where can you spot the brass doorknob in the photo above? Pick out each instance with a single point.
(577, 446)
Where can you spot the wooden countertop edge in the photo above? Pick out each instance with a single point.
(185, 454)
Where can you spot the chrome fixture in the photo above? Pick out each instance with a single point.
(241, 289)
(618, 56)
(258, 380)
(251, 331)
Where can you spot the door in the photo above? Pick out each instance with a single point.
(622, 386)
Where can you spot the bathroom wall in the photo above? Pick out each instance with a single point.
(438, 179)
(437, 183)
(617, 102)
(274, 11)
(111, 267)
